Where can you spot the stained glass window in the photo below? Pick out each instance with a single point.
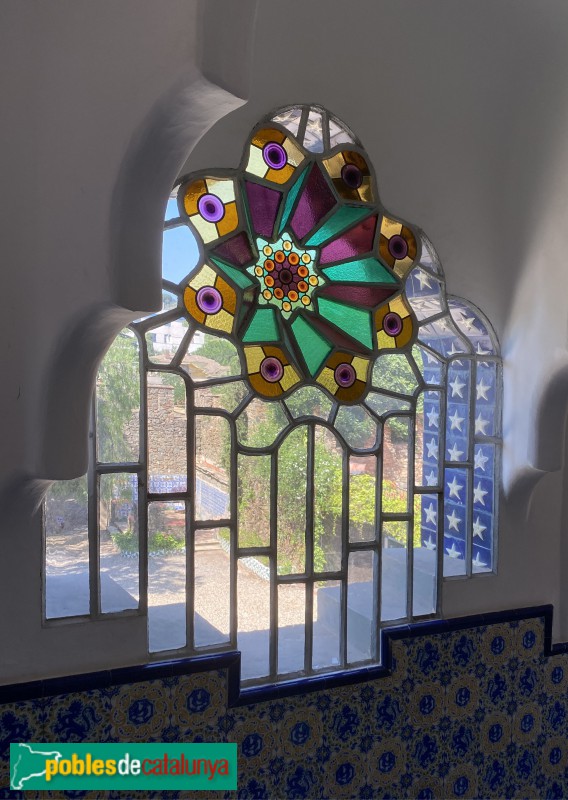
(311, 439)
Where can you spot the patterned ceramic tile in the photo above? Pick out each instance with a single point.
(479, 712)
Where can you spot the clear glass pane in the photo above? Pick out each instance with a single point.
(180, 253)
(166, 576)
(338, 134)
(253, 615)
(260, 423)
(394, 571)
(212, 467)
(164, 340)
(313, 138)
(169, 302)
(291, 627)
(397, 442)
(209, 357)
(383, 403)
(253, 500)
(167, 433)
(425, 554)
(119, 543)
(327, 501)
(212, 586)
(118, 401)
(291, 521)
(428, 256)
(327, 624)
(361, 608)
(226, 395)
(66, 549)
(362, 498)
(309, 401)
(394, 373)
(290, 119)
(357, 427)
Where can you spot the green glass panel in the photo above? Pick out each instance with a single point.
(364, 270)
(291, 199)
(235, 275)
(263, 327)
(315, 347)
(345, 217)
(356, 322)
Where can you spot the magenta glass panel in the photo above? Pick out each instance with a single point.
(263, 206)
(316, 200)
(357, 241)
(367, 296)
(235, 250)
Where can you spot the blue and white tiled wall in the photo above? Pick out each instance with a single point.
(466, 712)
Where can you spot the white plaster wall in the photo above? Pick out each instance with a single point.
(463, 109)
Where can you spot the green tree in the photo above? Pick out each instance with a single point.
(117, 398)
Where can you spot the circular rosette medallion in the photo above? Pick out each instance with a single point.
(345, 376)
(216, 299)
(269, 371)
(351, 176)
(394, 324)
(211, 206)
(273, 155)
(301, 269)
(397, 246)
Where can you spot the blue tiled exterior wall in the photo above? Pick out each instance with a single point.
(476, 707)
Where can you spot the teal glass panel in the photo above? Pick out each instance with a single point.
(363, 270)
(344, 218)
(263, 327)
(235, 275)
(291, 199)
(356, 322)
(315, 347)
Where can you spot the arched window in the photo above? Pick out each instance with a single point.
(297, 449)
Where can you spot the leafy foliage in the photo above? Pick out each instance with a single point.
(118, 396)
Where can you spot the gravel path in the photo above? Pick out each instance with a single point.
(67, 552)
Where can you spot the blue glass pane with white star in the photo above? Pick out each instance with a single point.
(457, 413)
(485, 397)
(431, 438)
(456, 502)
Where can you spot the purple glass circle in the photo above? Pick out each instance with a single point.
(392, 324)
(286, 276)
(398, 247)
(274, 155)
(352, 176)
(271, 369)
(345, 375)
(211, 207)
(209, 300)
